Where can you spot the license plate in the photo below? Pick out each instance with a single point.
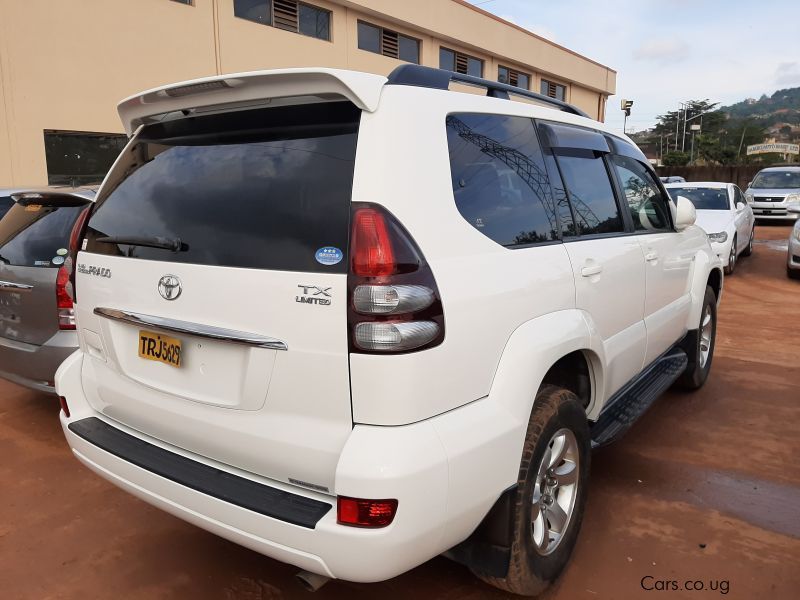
(160, 348)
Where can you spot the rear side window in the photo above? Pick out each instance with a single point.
(647, 205)
(261, 189)
(499, 179)
(37, 235)
(590, 193)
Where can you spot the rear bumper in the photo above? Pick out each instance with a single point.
(34, 366)
(443, 472)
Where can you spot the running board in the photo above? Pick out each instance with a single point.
(633, 400)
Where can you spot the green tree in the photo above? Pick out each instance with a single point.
(676, 159)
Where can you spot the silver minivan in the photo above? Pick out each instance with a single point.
(37, 320)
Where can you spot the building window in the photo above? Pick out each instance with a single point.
(515, 78)
(288, 15)
(451, 60)
(554, 90)
(79, 158)
(389, 43)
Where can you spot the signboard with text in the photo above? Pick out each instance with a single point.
(780, 148)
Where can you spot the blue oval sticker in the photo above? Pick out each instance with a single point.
(329, 255)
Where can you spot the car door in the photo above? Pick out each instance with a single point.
(668, 254)
(607, 262)
(743, 217)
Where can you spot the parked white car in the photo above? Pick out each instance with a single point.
(724, 214)
(354, 322)
(793, 258)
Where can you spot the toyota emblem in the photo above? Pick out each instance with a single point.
(169, 286)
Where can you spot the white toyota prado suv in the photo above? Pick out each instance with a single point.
(353, 322)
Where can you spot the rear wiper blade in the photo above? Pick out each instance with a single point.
(155, 241)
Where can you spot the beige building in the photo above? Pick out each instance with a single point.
(64, 64)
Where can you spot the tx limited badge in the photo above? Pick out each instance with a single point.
(169, 286)
(314, 295)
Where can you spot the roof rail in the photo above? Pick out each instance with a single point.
(439, 79)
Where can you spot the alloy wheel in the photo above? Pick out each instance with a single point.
(555, 491)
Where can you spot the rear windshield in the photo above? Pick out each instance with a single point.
(5, 203)
(776, 180)
(703, 198)
(262, 189)
(37, 235)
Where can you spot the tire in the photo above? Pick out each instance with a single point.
(731, 259)
(792, 273)
(699, 365)
(749, 250)
(557, 413)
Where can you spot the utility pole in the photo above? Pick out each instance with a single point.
(685, 120)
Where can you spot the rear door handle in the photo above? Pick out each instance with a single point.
(651, 256)
(592, 270)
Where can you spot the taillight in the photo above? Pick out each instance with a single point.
(358, 512)
(373, 255)
(75, 238)
(394, 304)
(63, 402)
(66, 310)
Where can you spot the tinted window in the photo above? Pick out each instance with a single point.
(474, 67)
(314, 22)
(645, 201)
(409, 49)
(523, 81)
(703, 198)
(499, 180)
(259, 11)
(369, 37)
(590, 192)
(5, 203)
(503, 75)
(33, 235)
(80, 158)
(259, 189)
(447, 59)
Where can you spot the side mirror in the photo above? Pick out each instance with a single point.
(793, 208)
(740, 206)
(685, 213)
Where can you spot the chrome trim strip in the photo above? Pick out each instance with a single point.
(195, 329)
(15, 287)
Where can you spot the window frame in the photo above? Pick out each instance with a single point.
(557, 85)
(514, 74)
(271, 23)
(381, 52)
(467, 57)
(544, 148)
(627, 222)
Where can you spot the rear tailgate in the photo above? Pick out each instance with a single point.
(34, 240)
(211, 292)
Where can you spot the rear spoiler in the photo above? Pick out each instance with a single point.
(55, 197)
(258, 88)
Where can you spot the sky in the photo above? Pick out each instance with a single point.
(669, 51)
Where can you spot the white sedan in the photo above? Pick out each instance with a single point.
(724, 214)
